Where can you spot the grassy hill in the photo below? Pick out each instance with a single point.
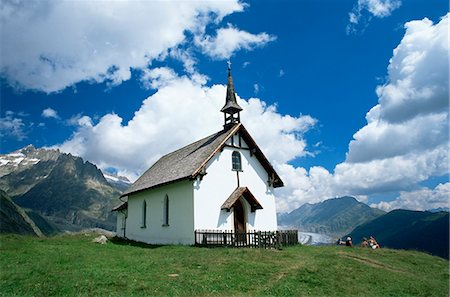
(71, 265)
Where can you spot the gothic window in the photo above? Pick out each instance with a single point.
(166, 211)
(144, 215)
(236, 161)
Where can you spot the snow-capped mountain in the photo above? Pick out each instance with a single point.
(64, 189)
(119, 182)
(25, 158)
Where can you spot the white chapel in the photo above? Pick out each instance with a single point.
(222, 182)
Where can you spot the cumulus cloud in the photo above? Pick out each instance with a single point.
(423, 199)
(61, 43)
(412, 114)
(50, 113)
(405, 141)
(11, 125)
(231, 39)
(364, 10)
(181, 111)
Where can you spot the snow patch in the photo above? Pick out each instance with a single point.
(17, 161)
(13, 155)
(3, 162)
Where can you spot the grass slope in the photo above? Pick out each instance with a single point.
(74, 266)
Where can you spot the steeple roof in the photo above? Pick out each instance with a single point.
(231, 106)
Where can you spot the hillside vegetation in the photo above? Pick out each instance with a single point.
(71, 265)
(408, 229)
(13, 219)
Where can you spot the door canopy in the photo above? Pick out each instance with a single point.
(238, 193)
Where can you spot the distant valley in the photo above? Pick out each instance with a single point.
(426, 231)
(334, 217)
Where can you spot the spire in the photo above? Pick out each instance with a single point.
(231, 106)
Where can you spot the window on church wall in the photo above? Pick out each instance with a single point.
(166, 211)
(144, 214)
(236, 161)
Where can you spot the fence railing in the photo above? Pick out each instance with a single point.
(251, 239)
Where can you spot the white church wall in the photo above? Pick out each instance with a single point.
(220, 181)
(180, 229)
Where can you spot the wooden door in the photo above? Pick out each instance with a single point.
(239, 221)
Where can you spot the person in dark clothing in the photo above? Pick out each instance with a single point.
(349, 242)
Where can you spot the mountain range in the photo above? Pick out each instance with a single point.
(334, 217)
(60, 189)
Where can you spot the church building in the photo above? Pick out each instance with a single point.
(222, 182)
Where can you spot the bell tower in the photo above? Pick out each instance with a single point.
(231, 109)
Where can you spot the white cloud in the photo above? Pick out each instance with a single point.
(181, 111)
(412, 115)
(405, 141)
(255, 89)
(64, 42)
(50, 113)
(12, 126)
(364, 10)
(423, 199)
(231, 39)
(418, 74)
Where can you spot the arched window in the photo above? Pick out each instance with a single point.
(166, 211)
(144, 214)
(236, 161)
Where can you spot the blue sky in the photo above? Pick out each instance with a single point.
(107, 82)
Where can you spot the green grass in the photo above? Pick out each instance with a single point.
(71, 265)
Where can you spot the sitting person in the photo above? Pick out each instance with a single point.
(364, 243)
(349, 242)
(373, 243)
(340, 242)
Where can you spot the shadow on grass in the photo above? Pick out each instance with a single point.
(129, 242)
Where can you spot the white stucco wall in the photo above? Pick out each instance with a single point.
(220, 181)
(181, 215)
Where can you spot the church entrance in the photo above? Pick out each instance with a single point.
(239, 221)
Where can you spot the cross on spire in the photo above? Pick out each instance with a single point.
(231, 107)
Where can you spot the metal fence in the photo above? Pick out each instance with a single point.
(251, 239)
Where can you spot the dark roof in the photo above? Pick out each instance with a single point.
(241, 192)
(122, 206)
(187, 162)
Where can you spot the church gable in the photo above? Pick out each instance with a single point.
(191, 160)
